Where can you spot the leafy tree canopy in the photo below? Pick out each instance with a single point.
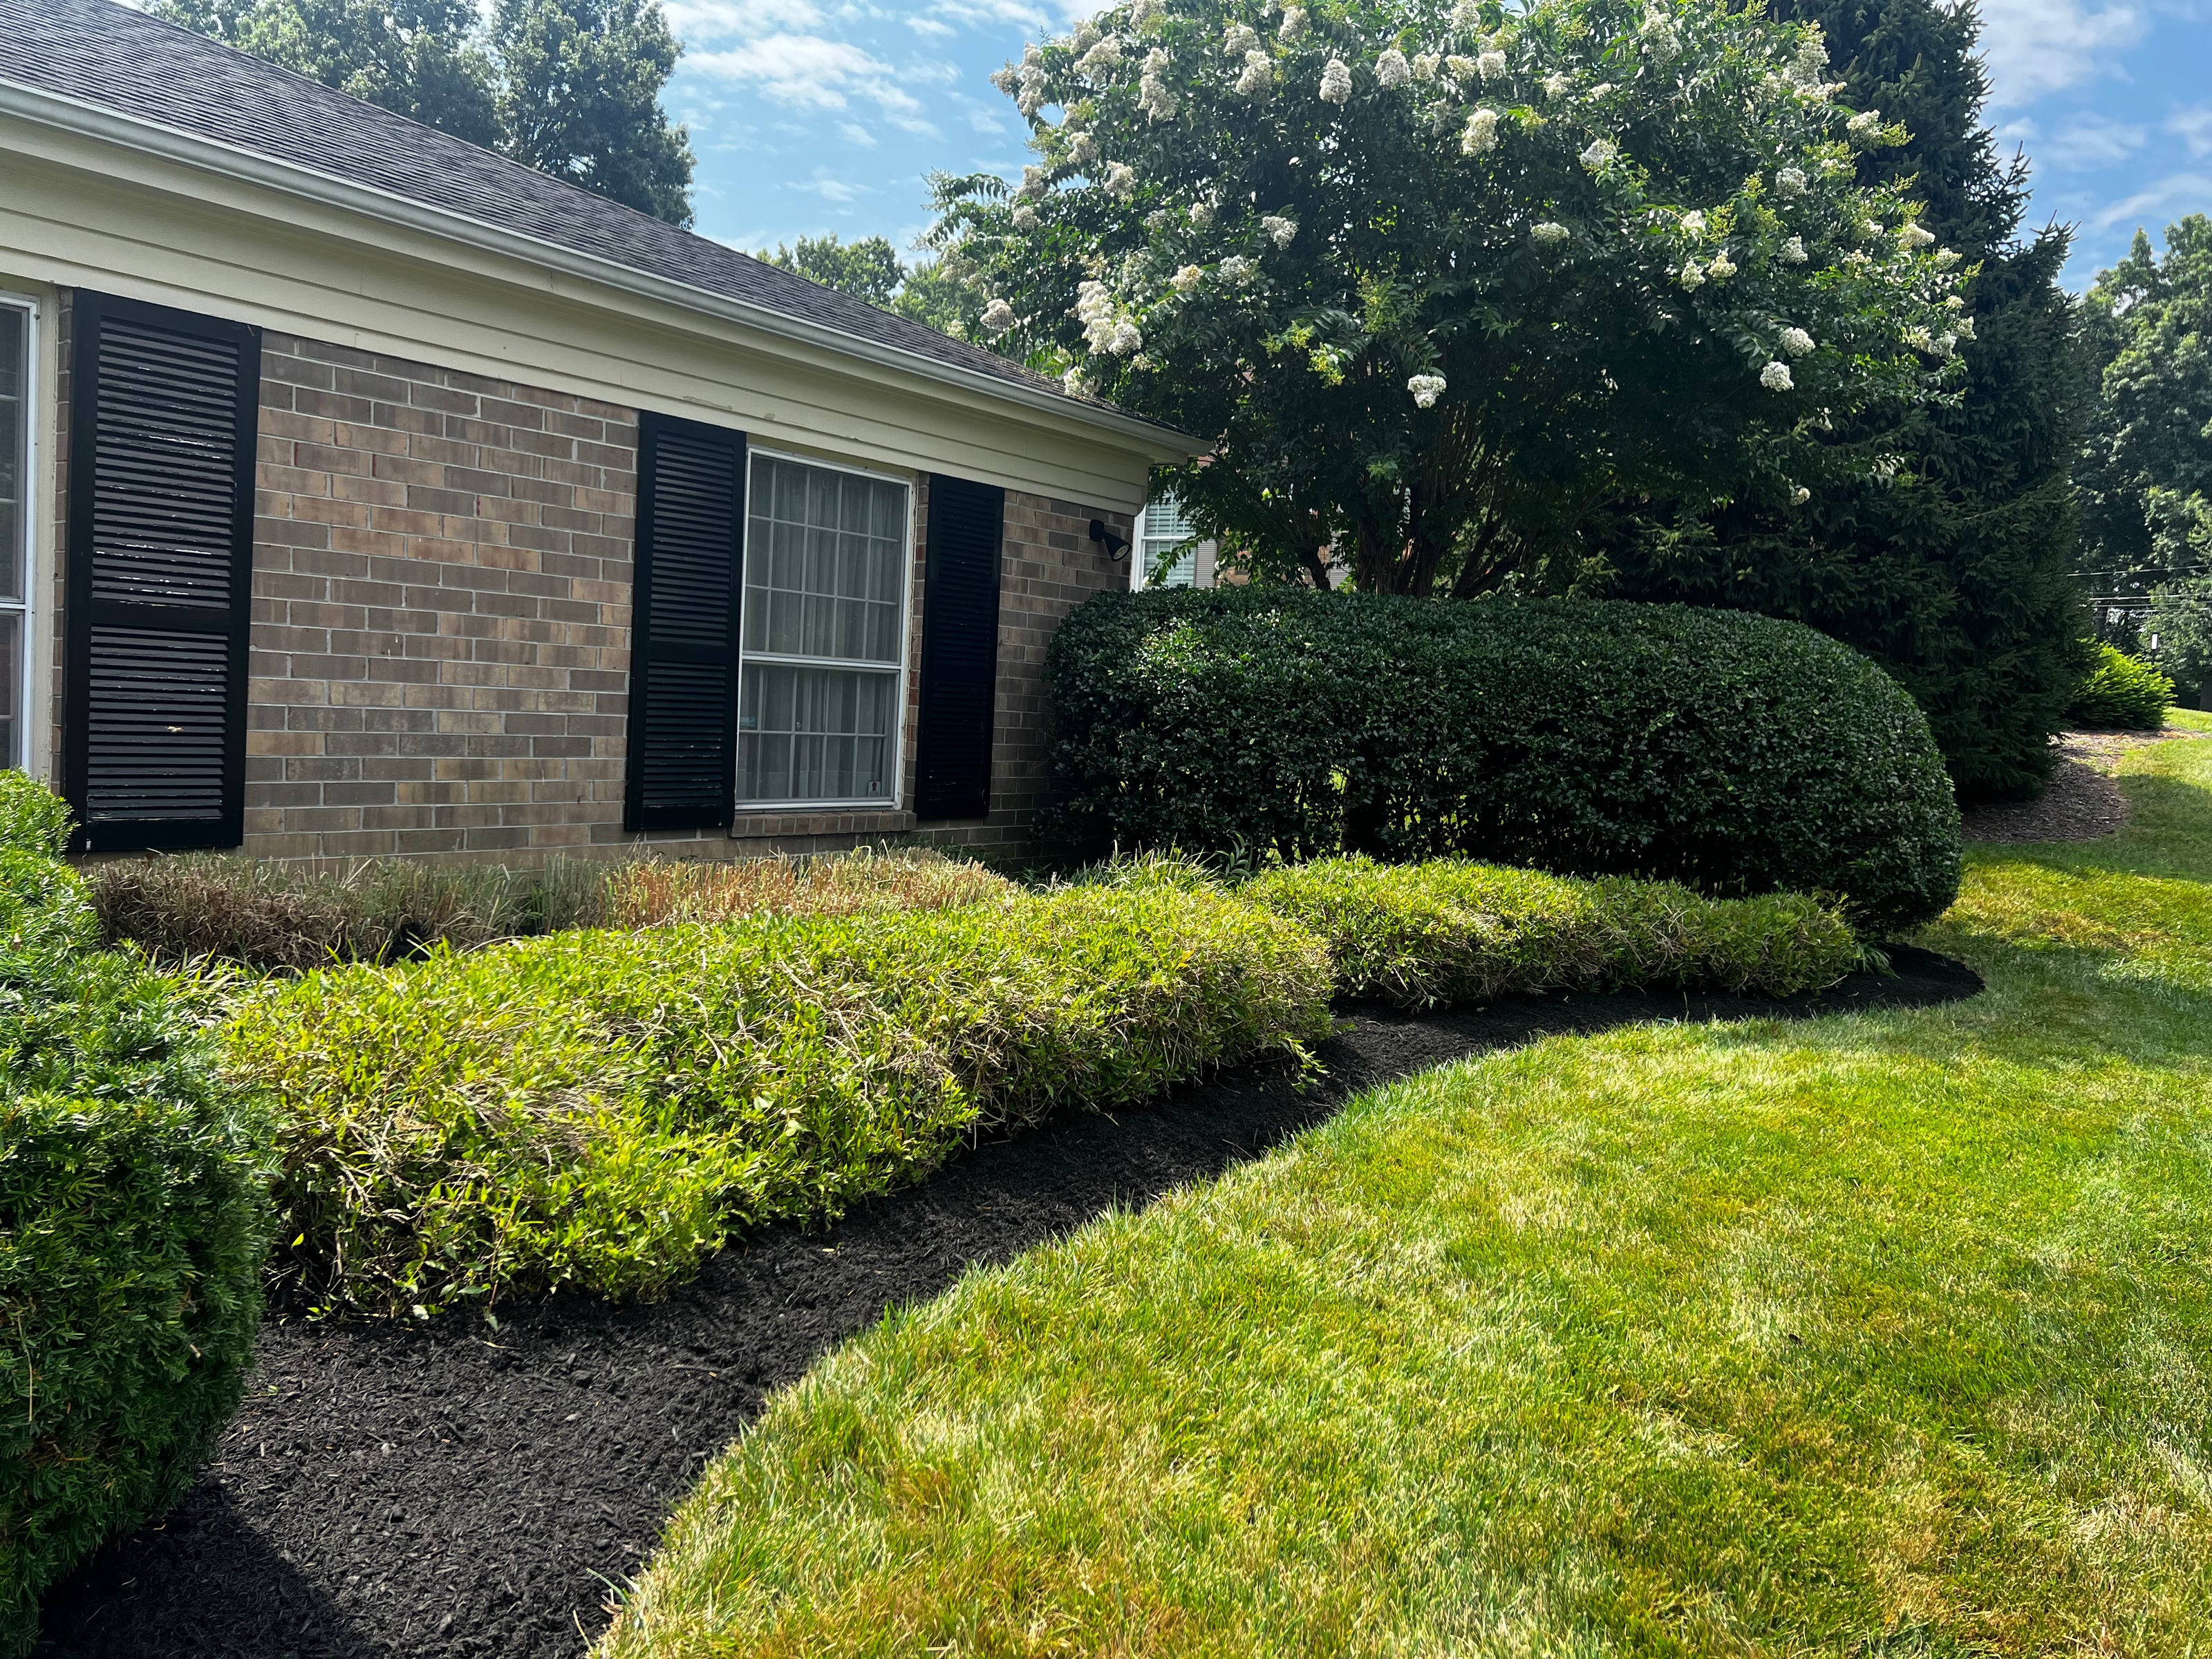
(872, 270)
(1431, 282)
(570, 87)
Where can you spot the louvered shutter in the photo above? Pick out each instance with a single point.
(683, 648)
(959, 649)
(160, 575)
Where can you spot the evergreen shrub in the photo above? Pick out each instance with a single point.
(134, 1221)
(2121, 692)
(1732, 753)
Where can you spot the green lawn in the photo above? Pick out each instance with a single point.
(1875, 1334)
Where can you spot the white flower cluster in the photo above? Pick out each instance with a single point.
(1914, 236)
(1490, 64)
(1966, 327)
(1278, 230)
(1662, 40)
(1864, 124)
(1102, 330)
(1025, 217)
(1120, 179)
(1143, 13)
(1102, 58)
(1030, 80)
(1481, 135)
(1557, 84)
(1800, 495)
(1720, 267)
(1599, 154)
(1465, 71)
(1946, 257)
(1186, 279)
(1693, 223)
(1796, 342)
(1425, 64)
(1790, 181)
(1467, 17)
(1236, 269)
(998, 318)
(1201, 212)
(1294, 23)
(1033, 183)
(1154, 96)
(1427, 389)
(1548, 233)
(1793, 252)
(1692, 275)
(1240, 39)
(1259, 76)
(1336, 82)
(1082, 147)
(1775, 377)
(1391, 69)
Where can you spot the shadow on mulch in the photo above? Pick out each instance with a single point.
(449, 1489)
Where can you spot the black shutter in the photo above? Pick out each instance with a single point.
(959, 649)
(162, 424)
(683, 640)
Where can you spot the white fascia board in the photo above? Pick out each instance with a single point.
(105, 125)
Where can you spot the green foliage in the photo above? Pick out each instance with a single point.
(1938, 538)
(2146, 471)
(599, 1109)
(1450, 931)
(32, 818)
(2121, 691)
(570, 87)
(872, 270)
(2180, 619)
(1432, 281)
(1733, 753)
(133, 1226)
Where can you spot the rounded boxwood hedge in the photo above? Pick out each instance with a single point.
(134, 1218)
(1731, 752)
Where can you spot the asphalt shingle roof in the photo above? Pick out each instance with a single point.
(102, 54)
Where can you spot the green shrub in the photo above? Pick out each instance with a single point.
(1450, 931)
(1730, 752)
(133, 1225)
(600, 1109)
(2122, 692)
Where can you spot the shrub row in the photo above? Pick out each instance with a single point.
(134, 1222)
(1730, 752)
(600, 1109)
(267, 914)
(2122, 692)
(1451, 931)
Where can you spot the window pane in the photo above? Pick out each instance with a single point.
(814, 733)
(825, 554)
(14, 432)
(11, 688)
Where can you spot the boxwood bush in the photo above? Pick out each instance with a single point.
(599, 1108)
(134, 1222)
(1729, 752)
(2121, 692)
(1452, 931)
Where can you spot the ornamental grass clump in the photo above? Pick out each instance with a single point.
(601, 1109)
(134, 1222)
(1453, 931)
(657, 892)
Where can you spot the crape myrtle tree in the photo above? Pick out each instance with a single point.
(1940, 538)
(1433, 282)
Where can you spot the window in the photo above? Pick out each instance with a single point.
(15, 518)
(1166, 531)
(825, 636)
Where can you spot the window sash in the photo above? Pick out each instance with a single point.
(18, 516)
(821, 666)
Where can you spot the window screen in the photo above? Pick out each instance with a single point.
(824, 635)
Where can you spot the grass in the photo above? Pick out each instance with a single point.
(1884, 1334)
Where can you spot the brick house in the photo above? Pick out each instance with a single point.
(364, 492)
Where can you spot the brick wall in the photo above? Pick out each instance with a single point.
(440, 639)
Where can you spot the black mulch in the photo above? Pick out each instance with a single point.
(446, 1489)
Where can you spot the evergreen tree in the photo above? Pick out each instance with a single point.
(570, 87)
(1950, 565)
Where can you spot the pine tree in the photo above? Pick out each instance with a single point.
(1950, 566)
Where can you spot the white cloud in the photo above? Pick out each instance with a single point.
(827, 186)
(809, 72)
(2090, 140)
(853, 133)
(2193, 127)
(721, 20)
(935, 28)
(2036, 47)
(2152, 207)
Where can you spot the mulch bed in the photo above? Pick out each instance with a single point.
(2081, 801)
(447, 1489)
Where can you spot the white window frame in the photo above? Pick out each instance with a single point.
(899, 670)
(30, 402)
(1141, 563)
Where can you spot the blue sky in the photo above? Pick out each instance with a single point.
(826, 115)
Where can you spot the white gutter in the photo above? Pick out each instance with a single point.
(97, 122)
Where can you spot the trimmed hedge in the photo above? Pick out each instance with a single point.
(600, 1109)
(1730, 752)
(1451, 931)
(134, 1222)
(2121, 692)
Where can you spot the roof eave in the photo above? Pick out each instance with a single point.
(103, 125)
